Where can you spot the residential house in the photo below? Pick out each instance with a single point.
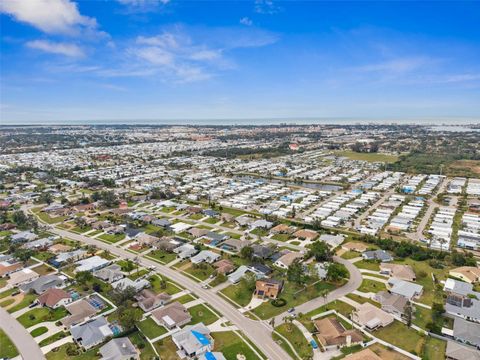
(148, 300)
(91, 333)
(43, 283)
(119, 349)
(185, 251)
(380, 255)
(332, 240)
(40, 244)
(233, 245)
(261, 224)
(262, 251)
(269, 288)
(286, 260)
(80, 311)
(408, 289)
(365, 354)
(392, 303)
(164, 223)
(110, 273)
(238, 274)
(304, 234)
(168, 244)
(145, 239)
(371, 317)
(462, 301)
(210, 213)
(403, 272)
(21, 277)
(54, 298)
(226, 217)
(172, 315)
(197, 232)
(331, 332)
(69, 256)
(205, 256)
(282, 229)
(138, 284)
(470, 274)
(193, 341)
(244, 220)
(91, 264)
(224, 266)
(355, 246)
(9, 265)
(59, 248)
(467, 332)
(456, 351)
(212, 356)
(23, 236)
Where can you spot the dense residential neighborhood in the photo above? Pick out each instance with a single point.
(308, 255)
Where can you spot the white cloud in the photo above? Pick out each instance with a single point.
(142, 6)
(246, 21)
(50, 16)
(154, 55)
(396, 66)
(60, 48)
(266, 7)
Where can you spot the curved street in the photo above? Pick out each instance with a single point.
(353, 284)
(24, 342)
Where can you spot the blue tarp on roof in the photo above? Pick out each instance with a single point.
(201, 338)
(209, 356)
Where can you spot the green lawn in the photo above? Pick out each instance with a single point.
(296, 338)
(370, 157)
(51, 339)
(371, 286)
(294, 295)
(136, 274)
(166, 348)
(350, 255)
(361, 300)
(339, 306)
(6, 293)
(112, 238)
(7, 349)
(434, 349)
(27, 300)
(201, 271)
(44, 255)
(230, 344)
(368, 265)
(170, 287)
(402, 336)
(239, 293)
(38, 315)
(60, 353)
(281, 237)
(200, 313)
(150, 328)
(211, 220)
(39, 331)
(7, 302)
(185, 299)
(50, 220)
(162, 256)
(43, 269)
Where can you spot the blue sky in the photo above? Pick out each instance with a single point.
(65, 60)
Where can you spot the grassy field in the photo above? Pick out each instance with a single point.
(38, 315)
(112, 238)
(166, 348)
(402, 336)
(150, 328)
(201, 272)
(27, 300)
(294, 295)
(7, 349)
(350, 255)
(171, 288)
(371, 157)
(43, 269)
(162, 256)
(51, 339)
(39, 331)
(361, 300)
(367, 265)
(200, 313)
(230, 344)
(61, 354)
(238, 293)
(136, 274)
(371, 286)
(296, 338)
(434, 349)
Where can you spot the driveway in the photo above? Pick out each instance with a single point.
(27, 347)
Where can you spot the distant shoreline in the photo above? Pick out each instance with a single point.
(253, 122)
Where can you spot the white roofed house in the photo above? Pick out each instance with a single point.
(91, 333)
(205, 256)
(119, 349)
(91, 264)
(405, 288)
(286, 260)
(185, 251)
(193, 341)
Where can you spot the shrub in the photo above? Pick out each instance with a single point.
(279, 302)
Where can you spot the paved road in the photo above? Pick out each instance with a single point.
(27, 347)
(353, 284)
(256, 331)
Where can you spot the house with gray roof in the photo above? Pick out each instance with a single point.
(193, 341)
(456, 351)
(110, 273)
(212, 356)
(205, 256)
(262, 224)
(380, 255)
(185, 251)
(43, 283)
(91, 264)
(391, 303)
(467, 332)
(119, 349)
(23, 237)
(138, 284)
(68, 256)
(405, 288)
(91, 333)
